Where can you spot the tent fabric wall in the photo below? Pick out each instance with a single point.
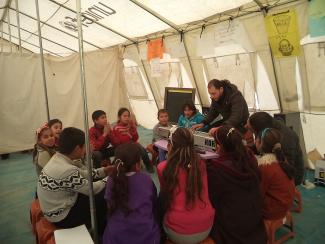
(22, 95)
(22, 101)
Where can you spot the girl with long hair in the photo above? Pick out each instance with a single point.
(234, 191)
(188, 214)
(277, 175)
(131, 200)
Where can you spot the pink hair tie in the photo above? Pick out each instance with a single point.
(44, 126)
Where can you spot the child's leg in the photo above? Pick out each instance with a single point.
(97, 159)
(108, 153)
(79, 214)
(154, 152)
(145, 159)
(161, 155)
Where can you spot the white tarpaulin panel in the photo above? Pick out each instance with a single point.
(22, 95)
(134, 83)
(184, 11)
(315, 63)
(237, 69)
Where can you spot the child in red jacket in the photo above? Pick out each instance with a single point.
(277, 174)
(125, 131)
(100, 137)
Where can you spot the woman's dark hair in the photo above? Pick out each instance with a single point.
(231, 142)
(219, 83)
(190, 105)
(126, 156)
(69, 139)
(260, 120)
(270, 143)
(37, 145)
(121, 111)
(54, 121)
(182, 156)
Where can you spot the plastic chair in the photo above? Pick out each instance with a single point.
(273, 225)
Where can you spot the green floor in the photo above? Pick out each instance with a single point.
(18, 183)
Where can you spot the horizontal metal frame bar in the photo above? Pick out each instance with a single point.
(30, 44)
(97, 23)
(156, 15)
(8, 2)
(51, 26)
(212, 23)
(42, 37)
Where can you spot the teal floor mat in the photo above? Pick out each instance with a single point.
(18, 184)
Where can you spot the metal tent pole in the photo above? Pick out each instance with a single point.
(147, 76)
(191, 67)
(18, 24)
(175, 27)
(49, 40)
(9, 30)
(55, 28)
(42, 59)
(1, 36)
(86, 124)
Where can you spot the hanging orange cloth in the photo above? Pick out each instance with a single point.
(156, 48)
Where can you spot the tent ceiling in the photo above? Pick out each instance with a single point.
(109, 22)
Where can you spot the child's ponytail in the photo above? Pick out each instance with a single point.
(270, 139)
(120, 190)
(285, 166)
(126, 157)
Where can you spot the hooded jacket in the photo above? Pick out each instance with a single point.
(230, 109)
(236, 197)
(197, 118)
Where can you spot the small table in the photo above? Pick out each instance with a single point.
(162, 144)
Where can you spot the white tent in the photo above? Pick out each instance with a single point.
(117, 70)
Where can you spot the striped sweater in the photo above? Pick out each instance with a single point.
(59, 184)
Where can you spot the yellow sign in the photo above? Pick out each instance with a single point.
(282, 30)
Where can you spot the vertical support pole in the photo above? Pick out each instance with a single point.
(191, 67)
(147, 76)
(18, 25)
(9, 29)
(1, 36)
(86, 124)
(42, 59)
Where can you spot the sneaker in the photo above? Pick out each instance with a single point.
(308, 185)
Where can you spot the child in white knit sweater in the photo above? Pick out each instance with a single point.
(63, 186)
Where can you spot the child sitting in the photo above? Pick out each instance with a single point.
(277, 183)
(184, 191)
(125, 131)
(163, 122)
(100, 137)
(44, 148)
(191, 116)
(56, 126)
(131, 199)
(234, 191)
(63, 188)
